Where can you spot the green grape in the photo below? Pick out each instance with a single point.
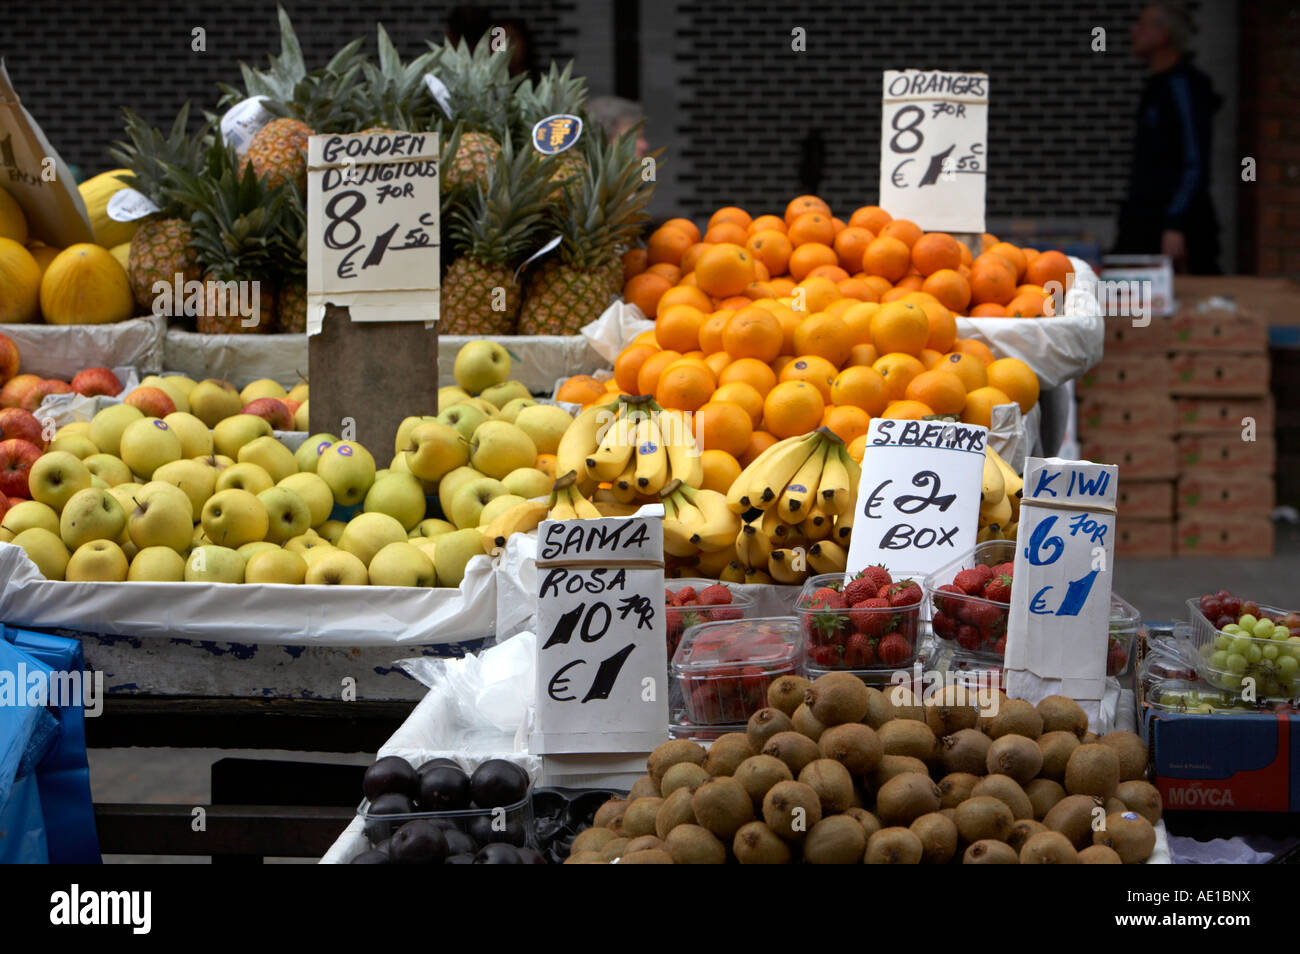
(1271, 652)
(1247, 622)
(1263, 629)
(1219, 660)
(1280, 633)
(1236, 663)
(1240, 645)
(1254, 654)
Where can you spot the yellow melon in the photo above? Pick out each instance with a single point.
(20, 283)
(84, 285)
(44, 254)
(13, 224)
(95, 193)
(122, 253)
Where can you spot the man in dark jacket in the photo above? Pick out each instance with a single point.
(1168, 209)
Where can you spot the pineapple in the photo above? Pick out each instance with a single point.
(495, 231)
(481, 93)
(392, 95)
(604, 213)
(160, 249)
(290, 259)
(556, 92)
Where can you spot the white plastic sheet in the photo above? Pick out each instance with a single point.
(60, 351)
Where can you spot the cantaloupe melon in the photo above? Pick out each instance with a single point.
(84, 285)
(20, 283)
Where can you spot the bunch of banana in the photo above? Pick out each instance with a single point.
(633, 445)
(521, 518)
(1000, 492)
(567, 503)
(699, 526)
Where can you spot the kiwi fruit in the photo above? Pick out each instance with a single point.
(1072, 817)
(1023, 830)
(586, 858)
(891, 765)
(832, 783)
(983, 816)
(855, 746)
(593, 839)
(965, 751)
(1132, 754)
(1043, 794)
(869, 822)
(614, 849)
(1131, 836)
(879, 709)
(722, 805)
(1016, 756)
(1088, 737)
(1113, 805)
(837, 840)
(1063, 714)
(644, 787)
(787, 693)
(726, 753)
(1057, 747)
(894, 846)
(1141, 797)
(805, 723)
(764, 724)
(758, 773)
(1099, 855)
(610, 814)
(792, 748)
(1048, 848)
(955, 788)
(906, 703)
(693, 845)
(989, 851)
(652, 857)
(676, 810)
(951, 710)
(1093, 769)
(836, 698)
(756, 844)
(1008, 791)
(905, 798)
(681, 775)
(909, 737)
(1014, 717)
(639, 819)
(938, 834)
(667, 754)
(791, 810)
(645, 843)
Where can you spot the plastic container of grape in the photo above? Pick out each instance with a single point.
(512, 824)
(677, 619)
(1192, 697)
(1273, 664)
(722, 669)
(986, 619)
(1125, 624)
(828, 634)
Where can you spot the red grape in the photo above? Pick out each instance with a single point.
(1212, 607)
(1250, 607)
(1224, 620)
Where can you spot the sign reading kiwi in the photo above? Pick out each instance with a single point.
(1060, 604)
(919, 497)
(601, 656)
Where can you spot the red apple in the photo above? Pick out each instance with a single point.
(154, 402)
(291, 405)
(16, 459)
(271, 410)
(16, 388)
(93, 381)
(15, 422)
(36, 394)
(4, 506)
(8, 358)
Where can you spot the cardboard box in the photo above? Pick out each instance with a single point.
(1125, 373)
(1216, 492)
(1224, 416)
(1276, 300)
(1124, 338)
(1225, 453)
(1153, 499)
(1212, 534)
(1207, 373)
(1207, 328)
(1144, 539)
(1153, 413)
(1154, 458)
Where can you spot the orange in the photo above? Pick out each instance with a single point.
(724, 270)
(728, 232)
(757, 290)
(685, 385)
(1011, 254)
(976, 348)
(950, 288)
(724, 426)
(738, 392)
(678, 328)
(808, 256)
(790, 321)
(887, 257)
(987, 241)
(645, 337)
(613, 385)
(752, 332)
(898, 370)
(669, 245)
(647, 379)
(1030, 254)
(720, 469)
(831, 272)
(644, 291)
(862, 387)
(781, 361)
(717, 361)
(772, 248)
(900, 326)
(628, 364)
(943, 326)
(905, 230)
(907, 411)
(935, 251)
(805, 203)
(930, 357)
(757, 374)
(664, 270)
(870, 217)
(911, 282)
(895, 294)
(818, 293)
(850, 245)
(764, 222)
(634, 263)
(847, 422)
(1050, 266)
(793, 408)
(710, 336)
(546, 464)
(692, 256)
(862, 354)
(990, 282)
(781, 286)
(685, 225)
(824, 335)
(812, 227)
(857, 288)
(858, 317)
(730, 213)
(814, 369)
(881, 286)
(840, 224)
(941, 390)
(980, 403)
(967, 367)
(1016, 380)
(858, 447)
(734, 303)
(988, 309)
(840, 305)
(1025, 305)
(684, 295)
(759, 441)
(580, 389)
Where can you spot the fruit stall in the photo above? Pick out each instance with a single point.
(655, 434)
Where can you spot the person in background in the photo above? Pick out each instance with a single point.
(1168, 209)
(468, 22)
(616, 116)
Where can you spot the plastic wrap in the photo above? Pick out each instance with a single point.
(60, 351)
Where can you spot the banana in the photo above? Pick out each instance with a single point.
(613, 508)
(817, 525)
(992, 485)
(624, 485)
(778, 470)
(684, 462)
(797, 497)
(720, 526)
(788, 567)
(752, 545)
(1012, 481)
(844, 526)
(521, 518)
(733, 573)
(739, 494)
(712, 564)
(990, 532)
(1009, 531)
(677, 536)
(582, 507)
(651, 457)
(579, 442)
(561, 506)
(999, 513)
(773, 527)
(835, 492)
(753, 575)
(827, 556)
(609, 459)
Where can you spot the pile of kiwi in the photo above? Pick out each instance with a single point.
(836, 772)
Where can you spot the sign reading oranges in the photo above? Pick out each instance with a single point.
(933, 148)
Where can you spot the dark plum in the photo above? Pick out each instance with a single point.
(371, 857)
(444, 789)
(459, 843)
(419, 843)
(498, 855)
(486, 829)
(460, 860)
(436, 763)
(497, 783)
(390, 774)
(390, 803)
(530, 857)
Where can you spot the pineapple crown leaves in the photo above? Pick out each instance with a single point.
(556, 92)
(480, 89)
(392, 93)
(277, 81)
(154, 158)
(500, 223)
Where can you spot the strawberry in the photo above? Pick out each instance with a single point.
(879, 574)
(1001, 569)
(859, 652)
(894, 649)
(826, 627)
(989, 619)
(753, 688)
(825, 657)
(685, 596)
(725, 612)
(968, 638)
(904, 593)
(998, 589)
(1000, 647)
(705, 706)
(1116, 659)
(826, 598)
(859, 588)
(945, 604)
(969, 582)
(944, 626)
(715, 595)
(869, 618)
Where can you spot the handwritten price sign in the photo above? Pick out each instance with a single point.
(933, 148)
